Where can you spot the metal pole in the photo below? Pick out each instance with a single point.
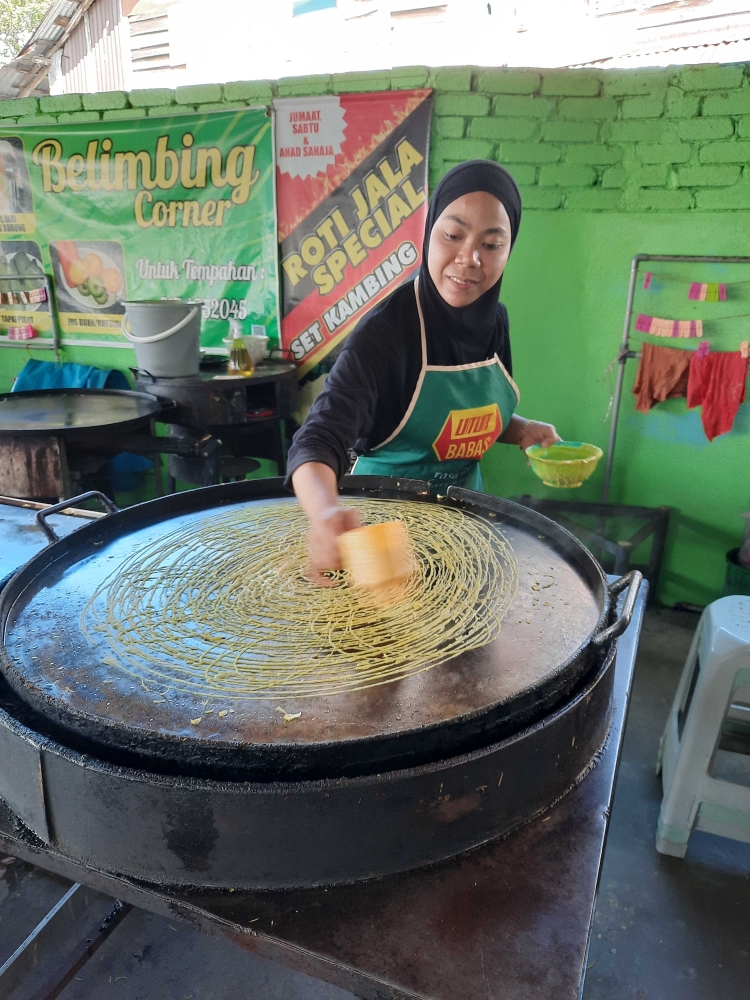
(622, 360)
(52, 316)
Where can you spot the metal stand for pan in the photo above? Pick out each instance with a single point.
(613, 532)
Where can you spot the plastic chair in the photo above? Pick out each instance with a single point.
(712, 699)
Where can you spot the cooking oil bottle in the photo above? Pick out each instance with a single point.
(239, 359)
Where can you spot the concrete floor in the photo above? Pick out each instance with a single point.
(664, 929)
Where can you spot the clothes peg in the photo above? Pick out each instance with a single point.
(704, 349)
(707, 292)
(647, 279)
(744, 349)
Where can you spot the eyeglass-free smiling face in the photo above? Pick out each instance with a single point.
(469, 247)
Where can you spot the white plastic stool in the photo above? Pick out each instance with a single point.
(716, 675)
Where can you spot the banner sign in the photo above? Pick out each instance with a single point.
(179, 207)
(352, 202)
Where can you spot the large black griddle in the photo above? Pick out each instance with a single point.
(326, 804)
(74, 414)
(552, 640)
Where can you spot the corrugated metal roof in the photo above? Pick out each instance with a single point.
(91, 55)
(649, 33)
(27, 73)
(693, 32)
(737, 50)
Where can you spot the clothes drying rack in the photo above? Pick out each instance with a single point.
(607, 528)
(625, 352)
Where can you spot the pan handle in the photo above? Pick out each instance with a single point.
(632, 581)
(42, 515)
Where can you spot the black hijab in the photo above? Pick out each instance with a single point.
(469, 329)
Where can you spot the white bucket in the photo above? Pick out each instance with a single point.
(165, 334)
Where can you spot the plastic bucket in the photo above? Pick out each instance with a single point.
(165, 334)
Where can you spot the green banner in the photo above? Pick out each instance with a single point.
(179, 207)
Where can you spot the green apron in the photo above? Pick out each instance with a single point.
(456, 414)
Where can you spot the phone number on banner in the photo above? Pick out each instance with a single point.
(224, 309)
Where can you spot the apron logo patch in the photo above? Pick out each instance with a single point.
(468, 433)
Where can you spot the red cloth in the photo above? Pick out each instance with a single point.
(717, 382)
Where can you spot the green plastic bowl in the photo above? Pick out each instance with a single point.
(566, 464)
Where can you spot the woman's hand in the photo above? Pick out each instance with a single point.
(525, 432)
(322, 541)
(317, 491)
(535, 432)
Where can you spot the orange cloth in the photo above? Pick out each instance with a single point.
(717, 383)
(662, 374)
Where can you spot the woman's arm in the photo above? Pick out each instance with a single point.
(319, 455)
(316, 487)
(525, 432)
(369, 380)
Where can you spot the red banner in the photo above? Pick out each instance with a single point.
(351, 191)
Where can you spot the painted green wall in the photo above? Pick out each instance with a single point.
(610, 164)
(565, 288)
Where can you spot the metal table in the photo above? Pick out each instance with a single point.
(246, 413)
(509, 920)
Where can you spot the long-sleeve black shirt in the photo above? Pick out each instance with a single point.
(370, 386)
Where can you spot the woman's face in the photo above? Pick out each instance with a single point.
(469, 247)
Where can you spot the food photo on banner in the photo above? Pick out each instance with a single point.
(189, 198)
(352, 201)
(16, 200)
(24, 302)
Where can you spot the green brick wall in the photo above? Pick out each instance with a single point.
(559, 131)
(624, 141)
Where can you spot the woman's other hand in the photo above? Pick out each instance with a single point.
(322, 541)
(535, 432)
(524, 433)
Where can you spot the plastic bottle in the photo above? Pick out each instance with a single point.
(239, 359)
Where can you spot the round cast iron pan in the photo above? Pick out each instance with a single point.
(542, 655)
(74, 414)
(180, 831)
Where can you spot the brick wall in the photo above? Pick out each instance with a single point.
(676, 139)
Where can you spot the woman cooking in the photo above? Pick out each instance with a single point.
(423, 386)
